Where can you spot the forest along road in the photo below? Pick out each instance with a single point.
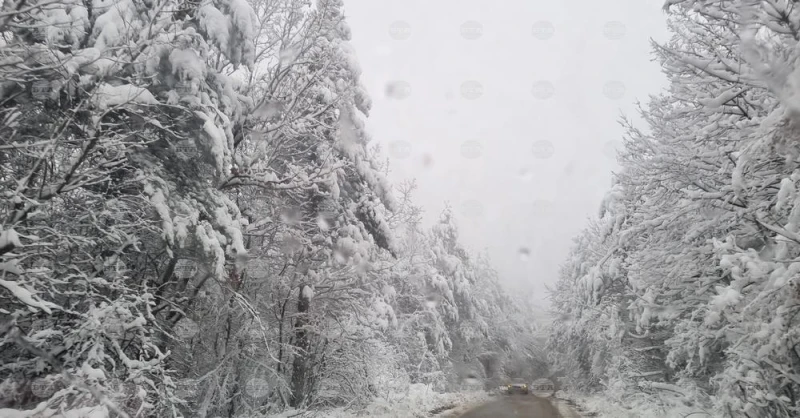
(522, 406)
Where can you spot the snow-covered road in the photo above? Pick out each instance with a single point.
(523, 406)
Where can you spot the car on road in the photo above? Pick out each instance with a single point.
(499, 390)
(518, 386)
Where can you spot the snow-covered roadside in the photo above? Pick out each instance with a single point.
(464, 401)
(599, 406)
(87, 412)
(420, 401)
(589, 405)
(565, 408)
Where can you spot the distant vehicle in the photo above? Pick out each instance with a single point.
(499, 390)
(517, 386)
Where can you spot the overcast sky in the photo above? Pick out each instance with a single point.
(508, 111)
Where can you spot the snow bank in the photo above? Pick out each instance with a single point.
(419, 401)
(599, 406)
(86, 412)
(565, 408)
(464, 402)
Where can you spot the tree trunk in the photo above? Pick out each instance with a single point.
(301, 346)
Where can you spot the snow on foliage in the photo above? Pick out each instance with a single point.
(701, 229)
(196, 223)
(107, 96)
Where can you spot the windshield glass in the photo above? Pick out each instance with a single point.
(343, 208)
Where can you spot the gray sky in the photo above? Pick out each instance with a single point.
(523, 150)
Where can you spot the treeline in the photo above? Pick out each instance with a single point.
(683, 294)
(194, 222)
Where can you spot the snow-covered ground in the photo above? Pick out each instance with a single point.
(88, 412)
(598, 406)
(419, 401)
(565, 408)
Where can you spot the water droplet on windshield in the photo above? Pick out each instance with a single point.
(322, 223)
(400, 30)
(398, 90)
(471, 90)
(289, 55)
(290, 244)
(543, 90)
(432, 297)
(427, 161)
(614, 30)
(340, 256)
(614, 90)
(257, 388)
(472, 380)
(291, 215)
(400, 149)
(526, 174)
(543, 30)
(543, 149)
(471, 30)
(186, 328)
(363, 267)
(471, 149)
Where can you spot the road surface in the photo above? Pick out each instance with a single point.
(516, 406)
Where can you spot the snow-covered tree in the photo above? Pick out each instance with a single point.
(195, 222)
(707, 244)
(118, 126)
